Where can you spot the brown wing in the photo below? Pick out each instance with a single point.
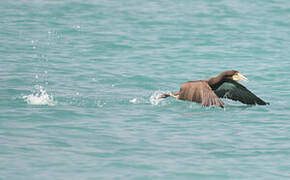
(199, 91)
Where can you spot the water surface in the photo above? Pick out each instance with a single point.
(79, 81)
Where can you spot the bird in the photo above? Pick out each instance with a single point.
(209, 91)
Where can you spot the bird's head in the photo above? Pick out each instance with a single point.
(234, 75)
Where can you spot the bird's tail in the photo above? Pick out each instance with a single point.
(165, 95)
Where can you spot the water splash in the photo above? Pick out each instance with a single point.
(155, 97)
(40, 97)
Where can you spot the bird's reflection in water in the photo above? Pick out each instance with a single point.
(199, 111)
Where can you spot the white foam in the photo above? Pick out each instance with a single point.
(139, 100)
(133, 100)
(40, 97)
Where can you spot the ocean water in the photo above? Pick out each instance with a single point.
(79, 82)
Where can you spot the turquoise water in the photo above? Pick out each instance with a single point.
(79, 82)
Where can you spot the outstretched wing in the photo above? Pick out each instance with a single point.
(235, 91)
(199, 91)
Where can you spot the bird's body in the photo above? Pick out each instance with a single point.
(209, 91)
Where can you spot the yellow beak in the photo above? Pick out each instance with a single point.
(239, 77)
